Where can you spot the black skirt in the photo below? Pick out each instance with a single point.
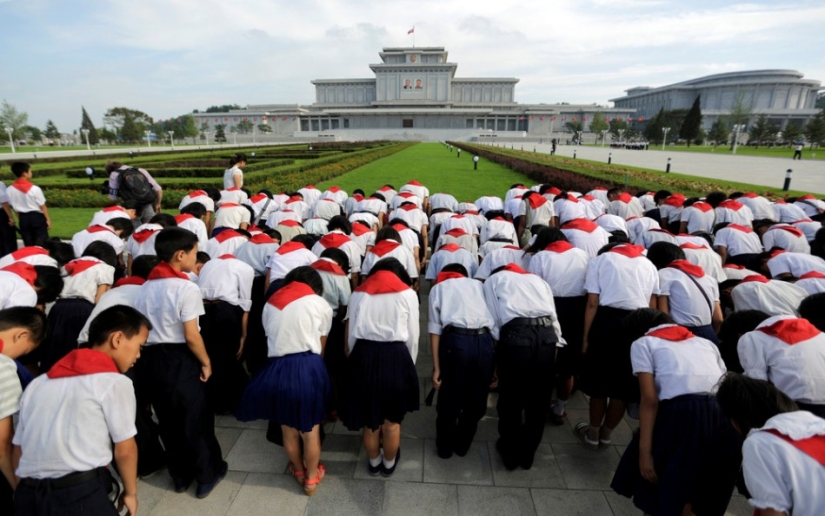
(570, 311)
(607, 371)
(66, 319)
(381, 384)
(706, 332)
(221, 328)
(696, 454)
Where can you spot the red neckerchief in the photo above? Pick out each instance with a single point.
(624, 197)
(358, 197)
(536, 201)
(812, 274)
(227, 256)
(739, 227)
(384, 189)
(382, 282)
(501, 219)
(110, 209)
(360, 229)
(553, 191)
(672, 332)
(383, 247)
(131, 280)
(691, 245)
(780, 201)
(581, 224)
(755, 277)
(226, 234)
(450, 248)
(471, 212)
(444, 276)
(813, 447)
(800, 221)
(807, 197)
(587, 198)
(559, 246)
(328, 266)
(25, 252)
(791, 331)
(571, 198)
(660, 230)
(262, 238)
(164, 271)
(688, 268)
(25, 270)
(75, 267)
(792, 230)
(24, 185)
(400, 227)
(289, 223)
(415, 183)
(675, 200)
(257, 198)
(290, 247)
(309, 187)
(733, 266)
(731, 204)
(228, 205)
(198, 193)
(233, 189)
(81, 362)
(180, 219)
(628, 250)
(456, 233)
(512, 267)
(406, 195)
(776, 253)
(631, 218)
(292, 292)
(408, 207)
(143, 235)
(702, 206)
(333, 189)
(750, 195)
(334, 240)
(294, 199)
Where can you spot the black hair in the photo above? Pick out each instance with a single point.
(762, 223)
(516, 185)
(358, 191)
(389, 185)
(663, 254)
(266, 192)
(490, 215)
(380, 197)
(661, 195)
(736, 195)
(202, 257)
(546, 237)
(306, 275)
(543, 189)
(733, 327)
(61, 251)
(123, 225)
(130, 204)
(247, 191)
(750, 403)
(26, 317)
(296, 194)
(251, 212)
(237, 158)
(274, 234)
(638, 322)
(195, 209)
(338, 256)
(721, 225)
(116, 318)
(387, 233)
(18, 168)
(707, 236)
(394, 266)
(715, 198)
(213, 193)
(341, 223)
(813, 309)
(396, 220)
(690, 201)
(618, 236)
(166, 220)
(818, 244)
(455, 267)
(113, 165)
(143, 265)
(607, 247)
(171, 240)
(48, 283)
(614, 191)
(103, 251)
(307, 240)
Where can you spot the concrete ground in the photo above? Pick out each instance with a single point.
(566, 479)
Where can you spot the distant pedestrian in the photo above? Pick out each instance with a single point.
(553, 147)
(797, 154)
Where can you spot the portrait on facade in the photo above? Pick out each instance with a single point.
(418, 84)
(407, 84)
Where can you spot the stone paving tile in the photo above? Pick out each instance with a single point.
(339, 453)
(474, 468)
(622, 434)
(621, 505)
(475, 500)
(152, 490)
(226, 438)
(420, 499)
(419, 424)
(265, 494)
(424, 365)
(218, 502)
(336, 496)
(230, 421)
(563, 502)
(586, 469)
(739, 506)
(544, 473)
(409, 469)
(254, 454)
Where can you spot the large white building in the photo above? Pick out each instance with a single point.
(414, 95)
(782, 95)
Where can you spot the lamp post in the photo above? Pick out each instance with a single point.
(10, 131)
(206, 134)
(86, 135)
(148, 138)
(665, 130)
(172, 139)
(603, 133)
(736, 129)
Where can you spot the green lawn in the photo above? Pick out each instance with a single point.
(437, 168)
(68, 221)
(764, 152)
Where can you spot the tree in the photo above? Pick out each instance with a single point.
(188, 127)
(264, 128)
(117, 117)
(576, 128)
(718, 133)
(107, 135)
(222, 109)
(616, 125)
(740, 112)
(12, 118)
(653, 129)
(129, 130)
(762, 130)
(792, 133)
(692, 122)
(86, 123)
(820, 101)
(815, 130)
(598, 124)
(33, 132)
(51, 131)
(220, 133)
(244, 126)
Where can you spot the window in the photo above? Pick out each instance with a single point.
(346, 123)
(304, 124)
(335, 123)
(407, 123)
(469, 123)
(325, 124)
(315, 124)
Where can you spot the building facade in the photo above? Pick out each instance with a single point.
(414, 95)
(784, 96)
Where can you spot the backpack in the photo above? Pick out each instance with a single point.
(135, 187)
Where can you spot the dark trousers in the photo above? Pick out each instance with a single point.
(221, 328)
(91, 498)
(255, 349)
(797, 154)
(169, 375)
(8, 235)
(151, 455)
(467, 363)
(525, 357)
(33, 228)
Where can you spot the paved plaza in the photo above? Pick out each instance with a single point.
(566, 479)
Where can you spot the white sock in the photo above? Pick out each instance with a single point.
(376, 461)
(389, 463)
(558, 408)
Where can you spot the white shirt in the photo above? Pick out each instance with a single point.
(415, 217)
(443, 257)
(256, 253)
(690, 366)
(708, 259)
(792, 357)
(344, 243)
(298, 327)
(459, 237)
(316, 226)
(326, 209)
(336, 194)
(122, 295)
(625, 210)
(738, 241)
(760, 207)
(499, 258)
(227, 279)
(196, 226)
(90, 411)
(3, 195)
(444, 200)
(594, 207)
(778, 475)
(456, 302)
(142, 240)
(28, 202)
(84, 284)
(337, 288)
(809, 227)
(811, 285)
(489, 203)
(512, 193)
(403, 197)
(418, 189)
(670, 213)
(611, 223)
(15, 291)
(391, 317)
(498, 228)
(276, 217)
(33, 255)
(229, 177)
(733, 212)
(372, 205)
(102, 217)
(774, 297)
(401, 253)
(10, 388)
(200, 197)
(795, 264)
(688, 306)
(514, 207)
(231, 216)
(586, 235)
(541, 214)
(226, 242)
(788, 213)
(811, 206)
(620, 281)
(511, 294)
(409, 239)
(563, 269)
(637, 227)
(737, 272)
(653, 235)
(362, 236)
(83, 238)
(233, 195)
(699, 219)
(310, 194)
(261, 205)
(776, 236)
(287, 258)
(168, 303)
(459, 222)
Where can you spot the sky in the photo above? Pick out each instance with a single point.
(169, 57)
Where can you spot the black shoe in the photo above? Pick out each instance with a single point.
(181, 486)
(527, 462)
(510, 462)
(374, 470)
(205, 489)
(389, 471)
(444, 454)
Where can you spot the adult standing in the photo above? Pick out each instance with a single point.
(141, 188)
(797, 153)
(233, 176)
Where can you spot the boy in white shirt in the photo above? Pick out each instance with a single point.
(30, 204)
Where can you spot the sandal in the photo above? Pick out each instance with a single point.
(299, 474)
(580, 431)
(311, 484)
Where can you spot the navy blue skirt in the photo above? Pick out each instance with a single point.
(696, 454)
(570, 311)
(607, 371)
(706, 332)
(291, 390)
(381, 384)
(65, 321)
